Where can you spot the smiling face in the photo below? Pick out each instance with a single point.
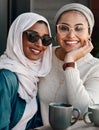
(35, 51)
(76, 30)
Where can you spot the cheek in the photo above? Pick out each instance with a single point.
(58, 38)
(26, 49)
(44, 48)
(85, 36)
(24, 43)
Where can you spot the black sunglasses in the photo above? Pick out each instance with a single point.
(33, 37)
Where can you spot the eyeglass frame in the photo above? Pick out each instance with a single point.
(71, 28)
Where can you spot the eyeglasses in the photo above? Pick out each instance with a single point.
(33, 37)
(64, 29)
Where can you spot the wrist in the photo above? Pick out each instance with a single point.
(68, 58)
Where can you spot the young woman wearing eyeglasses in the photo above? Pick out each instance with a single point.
(74, 77)
(27, 57)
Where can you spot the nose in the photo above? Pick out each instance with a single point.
(39, 43)
(71, 33)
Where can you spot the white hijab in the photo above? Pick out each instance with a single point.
(14, 59)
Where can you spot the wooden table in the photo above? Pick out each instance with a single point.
(80, 125)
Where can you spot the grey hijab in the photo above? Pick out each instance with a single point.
(78, 7)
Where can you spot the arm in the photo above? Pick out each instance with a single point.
(77, 92)
(82, 92)
(6, 78)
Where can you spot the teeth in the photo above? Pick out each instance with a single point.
(36, 51)
(73, 42)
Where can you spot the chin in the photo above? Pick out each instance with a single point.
(36, 58)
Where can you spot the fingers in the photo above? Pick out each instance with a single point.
(88, 46)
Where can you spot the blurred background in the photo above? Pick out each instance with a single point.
(10, 9)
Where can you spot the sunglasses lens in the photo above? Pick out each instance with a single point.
(32, 36)
(46, 40)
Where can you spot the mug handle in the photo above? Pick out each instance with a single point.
(85, 117)
(78, 115)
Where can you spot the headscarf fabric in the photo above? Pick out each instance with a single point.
(28, 71)
(77, 7)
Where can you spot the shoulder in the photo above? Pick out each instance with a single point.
(92, 65)
(6, 74)
(5, 71)
(89, 60)
(54, 47)
(94, 61)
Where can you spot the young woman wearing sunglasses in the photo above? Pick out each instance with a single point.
(27, 57)
(74, 77)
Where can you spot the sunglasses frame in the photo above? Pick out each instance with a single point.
(33, 34)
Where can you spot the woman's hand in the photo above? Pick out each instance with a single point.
(76, 54)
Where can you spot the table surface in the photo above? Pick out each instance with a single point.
(80, 125)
